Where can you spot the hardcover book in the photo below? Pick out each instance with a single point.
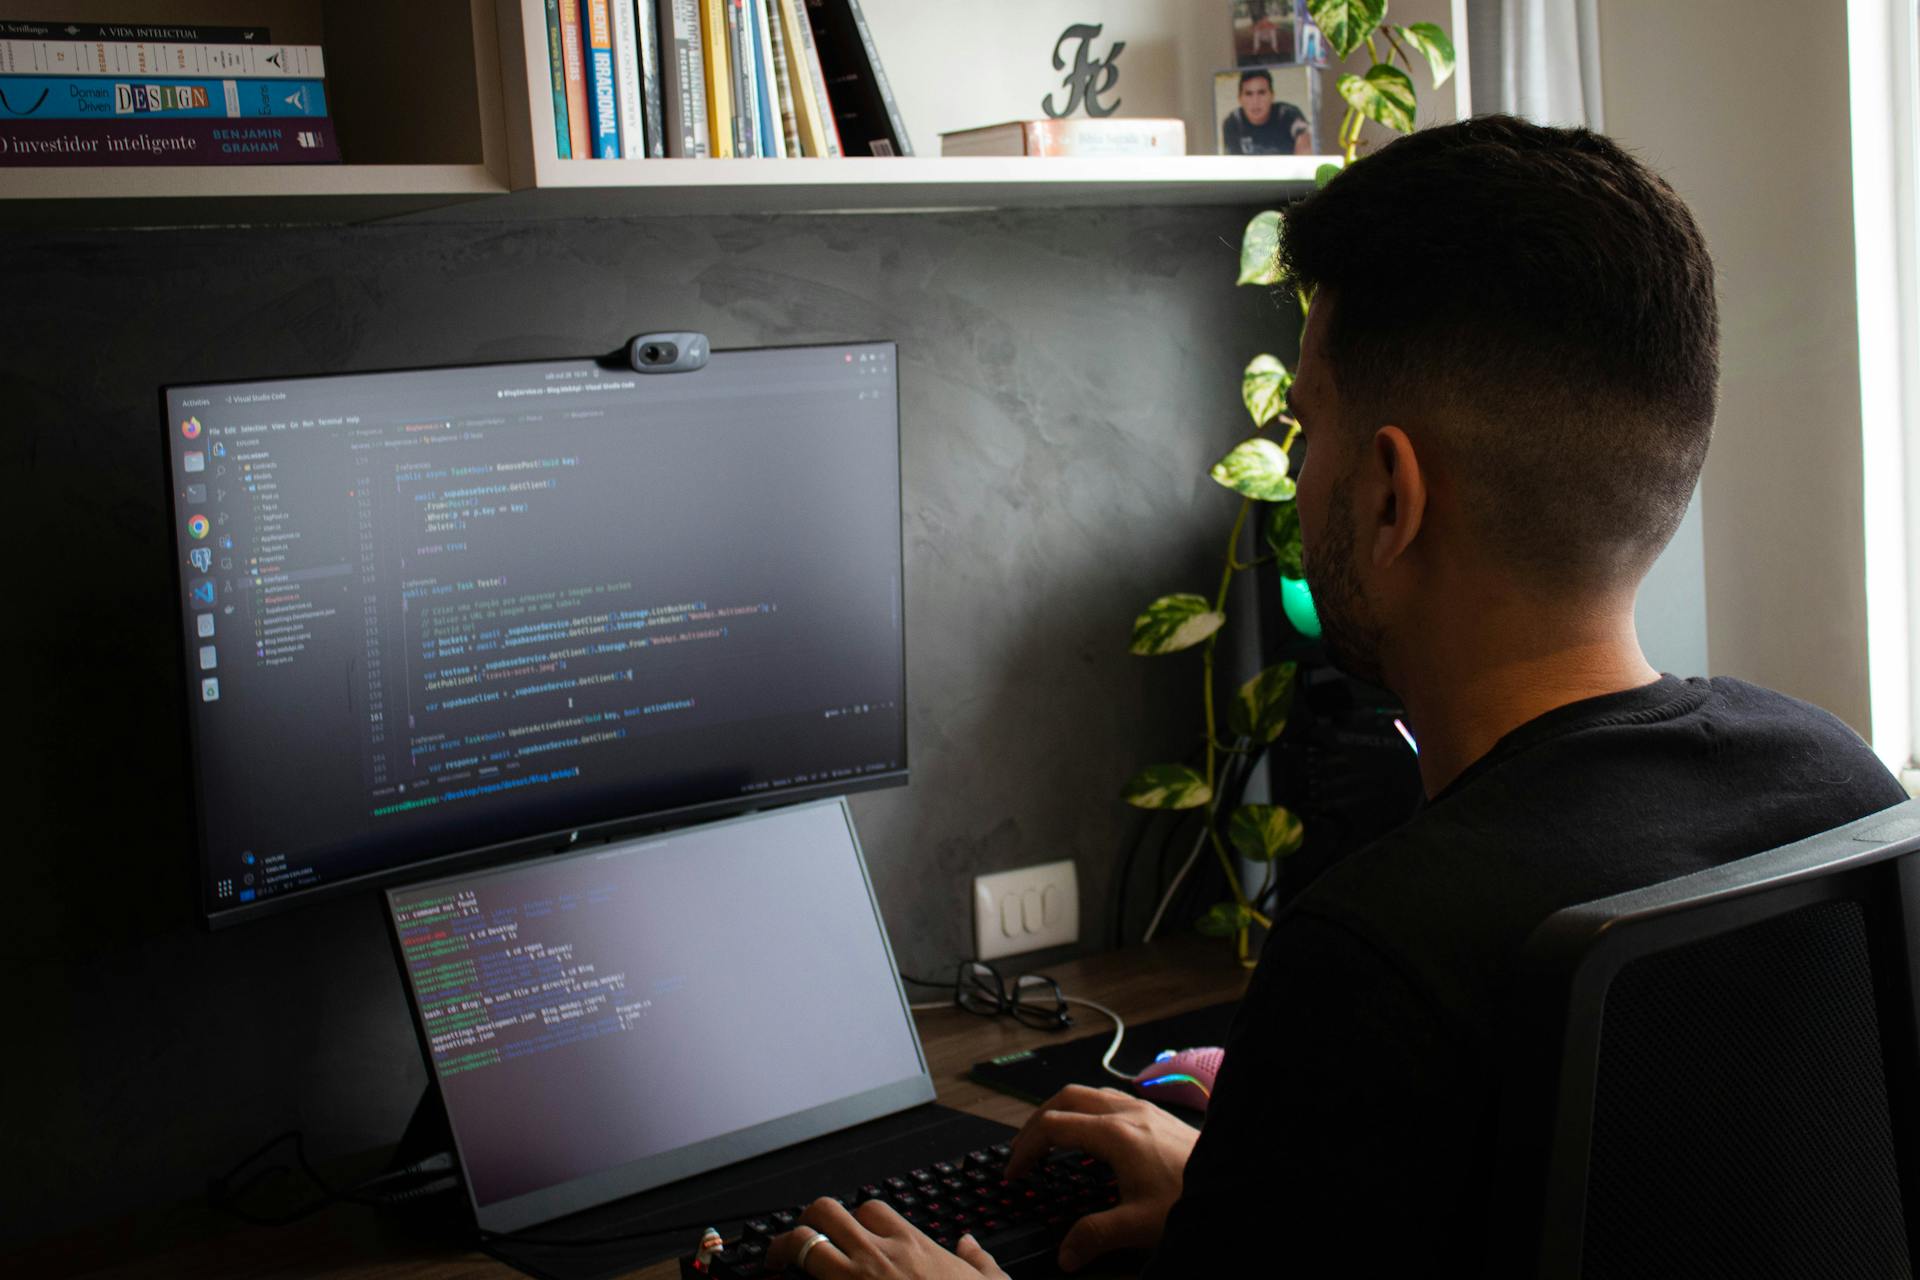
(683, 87)
(626, 78)
(653, 121)
(740, 62)
(821, 134)
(158, 58)
(721, 121)
(600, 89)
(573, 62)
(766, 93)
(782, 82)
(863, 106)
(1109, 136)
(109, 97)
(189, 32)
(68, 143)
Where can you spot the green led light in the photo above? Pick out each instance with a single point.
(1297, 603)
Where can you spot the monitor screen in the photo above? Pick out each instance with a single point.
(440, 612)
(613, 1020)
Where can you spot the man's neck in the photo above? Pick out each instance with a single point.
(1468, 687)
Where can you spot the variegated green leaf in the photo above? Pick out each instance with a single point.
(1385, 94)
(1346, 23)
(1172, 623)
(1256, 468)
(1223, 920)
(1260, 250)
(1430, 40)
(1283, 538)
(1325, 173)
(1261, 706)
(1167, 786)
(1263, 832)
(1263, 389)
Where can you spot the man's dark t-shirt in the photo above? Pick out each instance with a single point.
(1273, 137)
(1353, 1116)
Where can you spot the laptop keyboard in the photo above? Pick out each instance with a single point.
(1020, 1223)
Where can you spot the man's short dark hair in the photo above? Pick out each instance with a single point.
(1547, 303)
(1258, 73)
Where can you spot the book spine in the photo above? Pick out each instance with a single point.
(104, 98)
(804, 114)
(766, 96)
(556, 67)
(574, 67)
(600, 91)
(647, 27)
(783, 82)
(719, 78)
(746, 111)
(896, 125)
(186, 33)
(626, 77)
(159, 58)
(683, 89)
(69, 143)
(816, 77)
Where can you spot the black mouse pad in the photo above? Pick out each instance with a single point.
(1034, 1075)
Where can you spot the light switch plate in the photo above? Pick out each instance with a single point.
(1025, 910)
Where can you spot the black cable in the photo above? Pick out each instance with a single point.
(224, 1195)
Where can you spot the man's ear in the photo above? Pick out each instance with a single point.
(1402, 502)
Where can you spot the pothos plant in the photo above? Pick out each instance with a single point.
(1258, 469)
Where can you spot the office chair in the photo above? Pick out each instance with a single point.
(1719, 1075)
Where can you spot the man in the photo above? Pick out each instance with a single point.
(1259, 126)
(1506, 387)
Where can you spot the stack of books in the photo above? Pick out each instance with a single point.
(143, 94)
(724, 78)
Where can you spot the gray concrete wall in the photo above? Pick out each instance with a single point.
(1065, 378)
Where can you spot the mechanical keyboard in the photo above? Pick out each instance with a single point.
(1020, 1223)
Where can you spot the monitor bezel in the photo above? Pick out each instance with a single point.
(214, 917)
(590, 1191)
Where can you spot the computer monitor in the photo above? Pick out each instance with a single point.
(605, 1022)
(462, 612)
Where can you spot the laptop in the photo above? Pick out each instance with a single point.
(641, 1039)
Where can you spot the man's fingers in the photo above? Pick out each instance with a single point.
(824, 1261)
(829, 1217)
(970, 1252)
(881, 1218)
(1047, 1130)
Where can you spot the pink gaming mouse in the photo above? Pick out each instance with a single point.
(1184, 1079)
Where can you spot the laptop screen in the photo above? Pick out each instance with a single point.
(613, 1020)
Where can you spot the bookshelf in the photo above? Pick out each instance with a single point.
(446, 115)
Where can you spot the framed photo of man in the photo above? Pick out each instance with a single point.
(1267, 111)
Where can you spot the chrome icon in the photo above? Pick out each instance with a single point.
(190, 428)
(197, 526)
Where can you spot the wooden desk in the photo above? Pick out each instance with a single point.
(1167, 977)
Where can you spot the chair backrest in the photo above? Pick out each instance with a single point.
(1720, 1075)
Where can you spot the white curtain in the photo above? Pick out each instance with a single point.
(1537, 58)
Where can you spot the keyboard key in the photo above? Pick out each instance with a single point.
(871, 1192)
(897, 1183)
(759, 1227)
(786, 1220)
(921, 1175)
(945, 1168)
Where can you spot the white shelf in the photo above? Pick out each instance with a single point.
(217, 195)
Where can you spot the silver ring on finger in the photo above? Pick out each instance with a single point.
(800, 1259)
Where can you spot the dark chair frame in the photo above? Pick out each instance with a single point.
(1554, 1019)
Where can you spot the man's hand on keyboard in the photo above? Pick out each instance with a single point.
(873, 1242)
(1147, 1148)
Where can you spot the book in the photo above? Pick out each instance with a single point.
(647, 31)
(1107, 136)
(188, 32)
(600, 93)
(683, 85)
(107, 98)
(766, 96)
(719, 78)
(782, 82)
(556, 68)
(159, 58)
(626, 77)
(64, 143)
(816, 110)
(863, 106)
(740, 60)
(573, 61)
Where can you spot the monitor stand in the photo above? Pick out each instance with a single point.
(426, 1133)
